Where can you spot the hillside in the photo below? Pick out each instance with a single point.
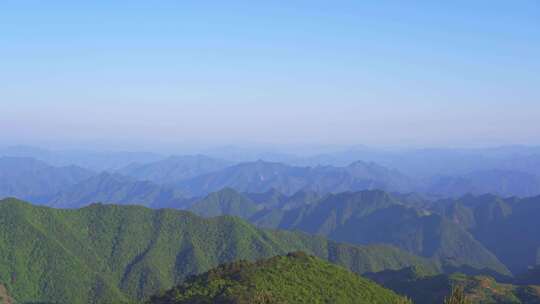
(112, 253)
(507, 227)
(28, 178)
(225, 202)
(356, 217)
(263, 176)
(118, 189)
(174, 169)
(425, 288)
(294, 278)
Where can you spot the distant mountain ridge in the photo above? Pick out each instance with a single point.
(114, 188)
(367, 217)
(90, 160)
(508, 227)
(263, 176)
(196, 176)
(35, 180)
(174, 169)
(500, 182)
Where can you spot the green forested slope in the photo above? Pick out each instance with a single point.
(225, 202)
(372, 217)
(295, 278)
(111, 254)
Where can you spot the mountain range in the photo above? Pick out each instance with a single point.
(262, 176)
(110, 187)
(366, 217)
(120, 254)
(194, 176)
(507, 227)
(35, 180)
(174, 169)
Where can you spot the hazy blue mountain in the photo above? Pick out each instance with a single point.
(366, 217)
(226, 202)
(371, 217)
(93, 160)
(500, 182)
(507, 227)
(273, 199)
(27, 178)
(424, 163)
(263, 176)
(249, 154)
(118, 189)
(270, 199)
(174, 169)
(248, 205)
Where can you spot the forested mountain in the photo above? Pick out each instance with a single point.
(226, 202)
(31, 179)
(113, 254)
(263, 176)
(294, 278)
(370, 217)
(507, 227)
(247, 205)
(115, 188)
(174, 169)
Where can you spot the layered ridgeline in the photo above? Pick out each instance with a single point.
(366, 217)
(427, 288)
(115, 254)
(149, 184)
(510, 228)
(168, 182)
(74, 187)
(31, 179)
(262, 176)
(495, 181)
(294, 278)
(114, 188)
(174, 169)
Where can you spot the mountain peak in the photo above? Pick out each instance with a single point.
(314, 281)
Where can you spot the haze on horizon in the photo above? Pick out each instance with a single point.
(139, 74)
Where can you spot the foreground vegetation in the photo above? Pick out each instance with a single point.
(294, 278)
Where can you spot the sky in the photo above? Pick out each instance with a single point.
(176, 73)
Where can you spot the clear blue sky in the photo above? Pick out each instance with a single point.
(387, 73)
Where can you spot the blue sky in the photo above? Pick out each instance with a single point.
(172, 73)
